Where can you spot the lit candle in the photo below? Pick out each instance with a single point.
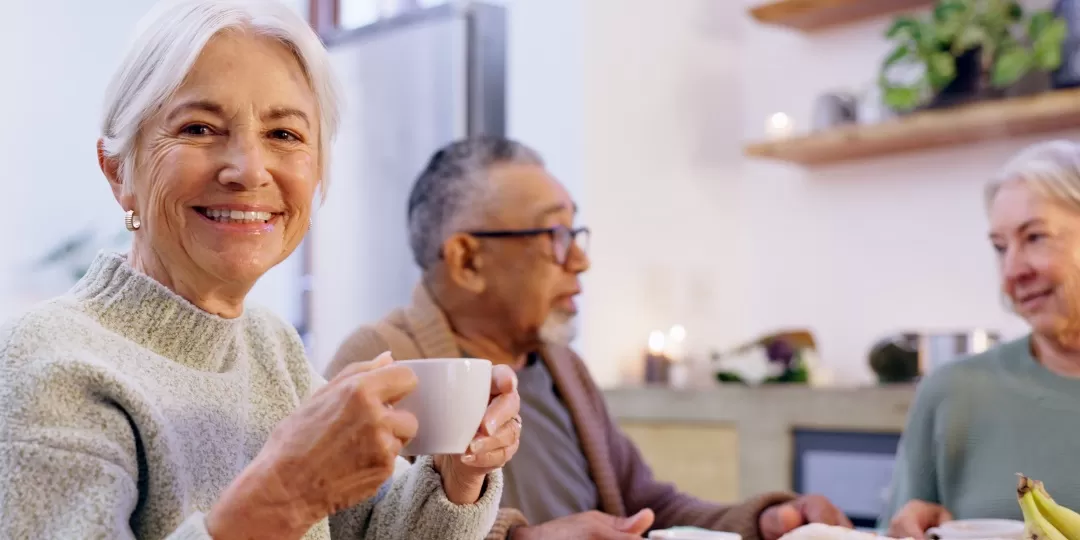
(674, 346)
(656, 363)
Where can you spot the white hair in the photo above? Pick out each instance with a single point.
(1051, 169)
(560, 328)
(168, 41)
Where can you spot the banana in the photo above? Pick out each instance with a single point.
(1037, 526)
(1063, 519)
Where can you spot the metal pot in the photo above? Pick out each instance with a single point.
(939, 348)
(902, 357)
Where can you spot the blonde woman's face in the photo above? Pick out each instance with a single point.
(227, 171)
(1038, 248)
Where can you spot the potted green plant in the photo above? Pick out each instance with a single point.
(967, 49)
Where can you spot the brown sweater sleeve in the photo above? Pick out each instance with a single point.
(505, 522)
(641, 490)
(361, 346)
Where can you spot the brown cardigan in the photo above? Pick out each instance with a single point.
(623, 479)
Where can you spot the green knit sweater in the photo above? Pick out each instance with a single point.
(976, 423)
(125, 411)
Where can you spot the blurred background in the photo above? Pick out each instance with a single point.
(785, 197)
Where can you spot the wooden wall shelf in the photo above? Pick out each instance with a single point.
(810, 15)
(990, 120)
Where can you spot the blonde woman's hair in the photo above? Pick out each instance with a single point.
(166, 45)
(1050, 168)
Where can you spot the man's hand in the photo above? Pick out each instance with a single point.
(915, 517)
(777, 520)
(589, 526)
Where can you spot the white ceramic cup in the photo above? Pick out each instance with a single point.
(972, 529)
(449, 403)
(683, 534)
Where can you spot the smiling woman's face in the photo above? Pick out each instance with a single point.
(226, 172)
(1038, 247)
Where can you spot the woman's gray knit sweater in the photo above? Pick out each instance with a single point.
(125, 411)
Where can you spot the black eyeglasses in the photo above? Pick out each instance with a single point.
(562, 238)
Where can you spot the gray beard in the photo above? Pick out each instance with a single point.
(559, 329)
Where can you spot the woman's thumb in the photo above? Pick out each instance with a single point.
(637, 523)
(356, 368)
(383, 359)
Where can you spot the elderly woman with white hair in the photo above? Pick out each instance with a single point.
(1015, 408)
(148, 402)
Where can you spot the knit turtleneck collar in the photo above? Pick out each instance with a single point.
(143, 310)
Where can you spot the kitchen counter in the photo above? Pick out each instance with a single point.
(733, 441)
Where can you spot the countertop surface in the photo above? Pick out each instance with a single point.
(870, 408)
(764, 419)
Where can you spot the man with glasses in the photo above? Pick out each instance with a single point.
(495, 236)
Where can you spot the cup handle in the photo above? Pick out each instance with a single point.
(933, 533)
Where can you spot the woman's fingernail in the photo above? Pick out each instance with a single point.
(475, 446)
(468, 458)
(491, 427)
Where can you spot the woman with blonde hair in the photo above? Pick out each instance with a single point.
(1015, 408)
(149, 402)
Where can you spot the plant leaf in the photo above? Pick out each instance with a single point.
(940, 69)
(971, 37)
(903, 27)
(1038, 22)
(949, 8)
(896, 55)
(1047, 59)
(1047, 38)
(1011, 65)
(901, 98)
(949, 20)
(1052, 35)
(1014, 12)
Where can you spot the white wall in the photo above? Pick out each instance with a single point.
(61, 57)
(661, 174)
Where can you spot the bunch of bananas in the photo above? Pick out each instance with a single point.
(1045, 519)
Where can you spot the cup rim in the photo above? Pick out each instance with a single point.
(667, 534)
(990, 522)
(977, 526)
(441, 360)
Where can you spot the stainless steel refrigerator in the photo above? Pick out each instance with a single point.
(412, 83)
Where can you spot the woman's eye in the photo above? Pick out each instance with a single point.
(284, 135)
(1035, 237)
(198, 130)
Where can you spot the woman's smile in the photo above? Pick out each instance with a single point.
(239, 219)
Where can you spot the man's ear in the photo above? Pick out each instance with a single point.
(110, 167)
(461, 254)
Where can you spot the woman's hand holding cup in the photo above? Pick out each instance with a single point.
(493, 445)
(330, 454)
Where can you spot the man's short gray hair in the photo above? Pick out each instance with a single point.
(168, 41)
(448, 190)
(1050, 168)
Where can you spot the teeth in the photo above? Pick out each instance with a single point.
(234, 216)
